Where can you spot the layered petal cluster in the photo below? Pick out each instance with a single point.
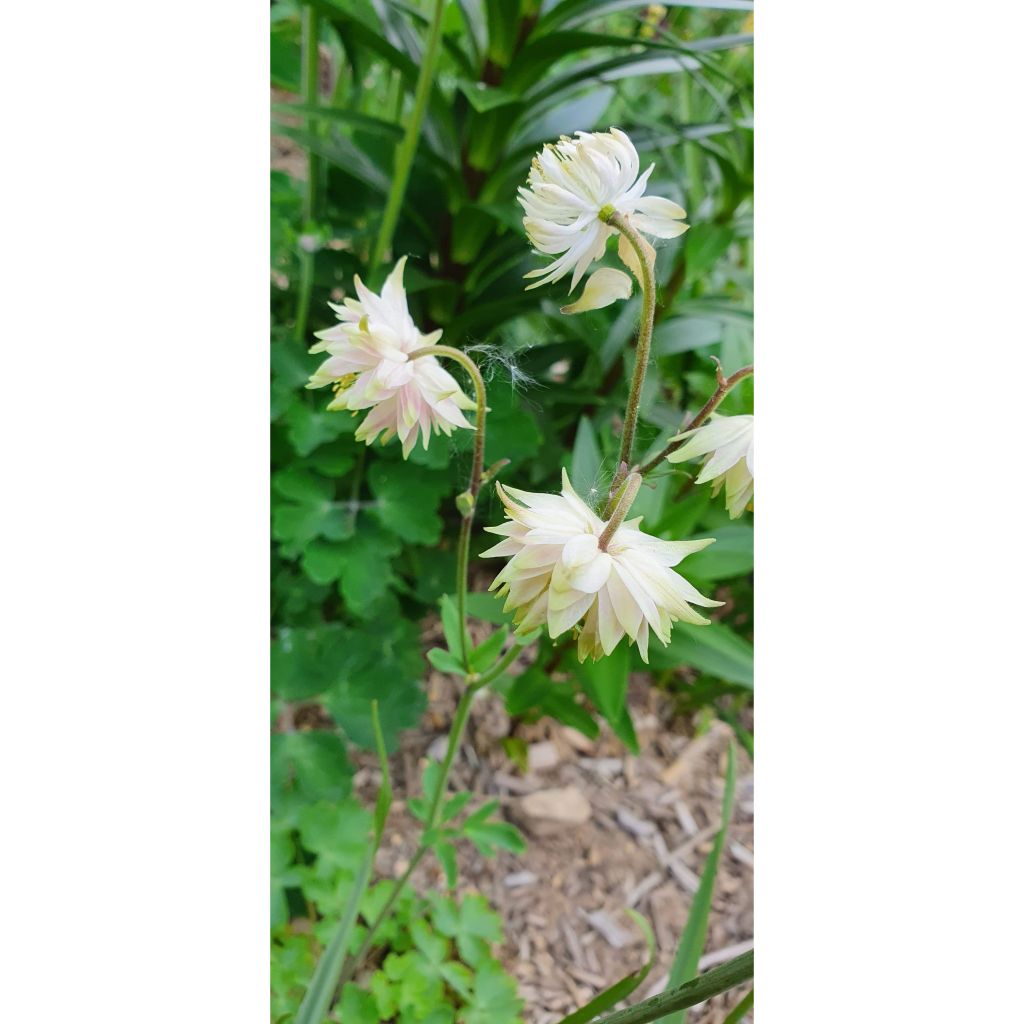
(728, 443)
(571, 181)
(369, 368)
(558, 576)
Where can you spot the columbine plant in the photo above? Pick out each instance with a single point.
(571, 566)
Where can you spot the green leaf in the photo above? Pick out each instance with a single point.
(502, 29)
(459, 977)
(528, 690)
(623, 987)
(606, 682)
(322, 987)
(308, 428)
(487, 835)
(488, 608)
(452, 626)
(483, 97)
(303, 662)
(494, 998)
(713, 648)
(731, 555)
(486, 653)
(407, 499)
(455, 805)
(472, 924)
(445, 852)
(691, 943)
(364, 566)
(307, 766)
(560, 703)
(445, 661)
(357, 1006)
(586, 459)
(383, 804)
(685, 333)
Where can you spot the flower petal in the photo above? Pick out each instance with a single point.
(603, 287)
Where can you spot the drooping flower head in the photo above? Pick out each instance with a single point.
(558, 574)
(571, 181)
(370, 368)
(728, 441)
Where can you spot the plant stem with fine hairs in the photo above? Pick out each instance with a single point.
(645, 333)
(467, 500)
(725, 385)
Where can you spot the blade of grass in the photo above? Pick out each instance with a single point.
(623, 987)
(691, 944)
(310, 95)
(317, 1000)
(741, 1009)
(407, 147)
(712, 983)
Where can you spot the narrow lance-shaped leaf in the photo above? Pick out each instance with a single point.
(691, 945)
(317, 1000)
(623, 987)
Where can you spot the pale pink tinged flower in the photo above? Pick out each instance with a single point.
(558, 576)
(571, 181)
(369, 368)
(728, 441)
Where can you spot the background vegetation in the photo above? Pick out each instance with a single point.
(363, 542)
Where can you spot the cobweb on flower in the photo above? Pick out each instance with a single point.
(495, 361)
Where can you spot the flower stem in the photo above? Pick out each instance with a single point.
(474, 682)
(436, 801)
(725, 385)
(643, 342)
(711, 983)
(406, 149)
(467, 500)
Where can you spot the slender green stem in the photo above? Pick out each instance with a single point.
(310, 96)
(436, 802)
(467, 500)
(481, 680)
(407, 147)
(474, 683)
(645, 333)
(725, 385)
(712, 983)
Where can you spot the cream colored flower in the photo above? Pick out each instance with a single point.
(558, 575)
(728, 441)
(571, 181)
(370, 368)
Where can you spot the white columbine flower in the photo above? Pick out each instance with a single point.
(571, 181)
(728, 441)
(558, 574)
(369, 367)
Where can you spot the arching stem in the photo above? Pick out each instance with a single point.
(725, 385)
(645, 333)
(467, 500)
